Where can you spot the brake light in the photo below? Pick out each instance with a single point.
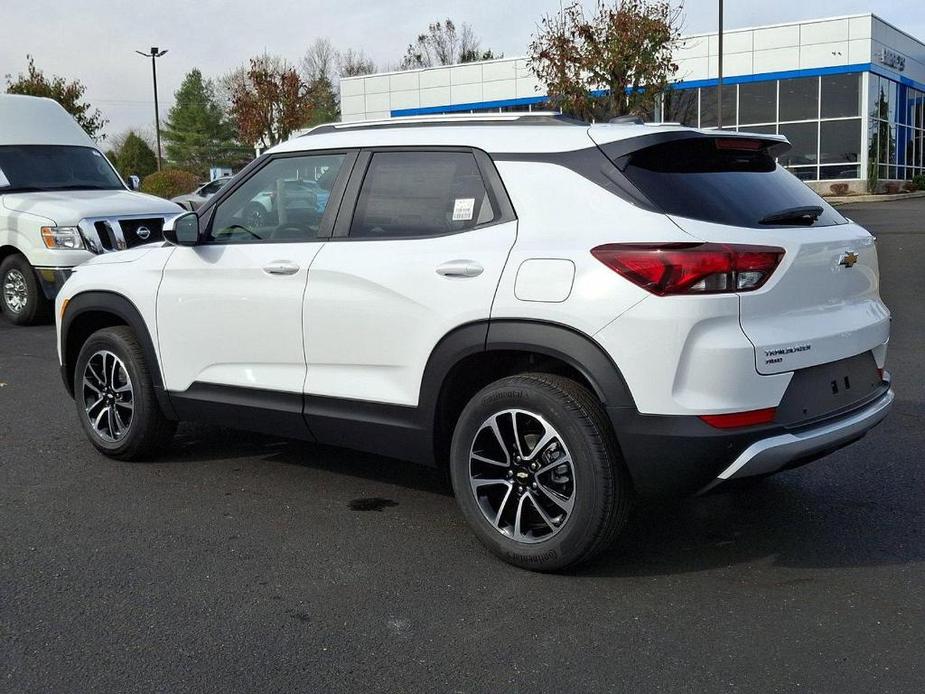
(740, 419)
(739, 143)
(691, 268)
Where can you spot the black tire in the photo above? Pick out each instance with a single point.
(600, 487)
(148, 430)
(17, 275)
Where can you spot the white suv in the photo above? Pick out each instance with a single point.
(566, 315)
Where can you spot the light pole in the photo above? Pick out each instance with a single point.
(719, 82)
(154, 55)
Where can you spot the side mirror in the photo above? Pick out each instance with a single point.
(134, 182)
(182, 230)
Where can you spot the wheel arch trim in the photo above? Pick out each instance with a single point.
(123, 308)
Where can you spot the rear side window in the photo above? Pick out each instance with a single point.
(408, 194)
(725, 181)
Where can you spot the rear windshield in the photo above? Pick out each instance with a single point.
(32, 168)
(719, 180)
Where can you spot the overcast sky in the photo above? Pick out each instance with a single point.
(95, 40)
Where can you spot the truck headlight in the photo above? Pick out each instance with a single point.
(62, 237)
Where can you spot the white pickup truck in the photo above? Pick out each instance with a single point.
(61, 203)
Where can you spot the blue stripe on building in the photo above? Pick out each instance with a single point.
(692, 84)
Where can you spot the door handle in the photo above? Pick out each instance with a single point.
(460, 268)
(281, 267)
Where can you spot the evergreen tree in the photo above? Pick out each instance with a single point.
(135, 157)
(197, 133)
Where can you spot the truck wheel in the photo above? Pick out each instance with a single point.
(22, 298)
(537, 472)
(115, 397)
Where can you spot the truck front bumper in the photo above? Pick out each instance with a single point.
(51, 279)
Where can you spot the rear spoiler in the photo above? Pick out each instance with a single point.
(618, 150)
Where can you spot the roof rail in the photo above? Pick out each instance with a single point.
(511, 118)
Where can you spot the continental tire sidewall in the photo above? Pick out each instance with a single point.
(594, 477)
(124, 347)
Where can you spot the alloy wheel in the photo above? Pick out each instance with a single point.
(522, 476)
(109, 400)
(15, 292)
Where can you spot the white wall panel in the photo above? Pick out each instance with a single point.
(378, 102)
(824, 55)
(777, 37)
(776, 59)
(405, 81)
(528, 87)
(435, 96)
(466, 74)
(438, 77)
(377, 84)
(499, 89)
(824, 32)
(352, 87)
(499, 70)
(406, 99)
(465, 93)
(353, 105)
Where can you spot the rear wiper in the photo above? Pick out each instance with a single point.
(802, 216)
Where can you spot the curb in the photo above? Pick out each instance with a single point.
(849, 199)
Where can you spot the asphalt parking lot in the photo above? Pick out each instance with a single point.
(245, 563)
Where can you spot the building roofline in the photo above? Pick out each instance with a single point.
(777, 25)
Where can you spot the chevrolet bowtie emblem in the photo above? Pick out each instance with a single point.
(848, 259)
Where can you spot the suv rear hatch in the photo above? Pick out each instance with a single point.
(822, 303)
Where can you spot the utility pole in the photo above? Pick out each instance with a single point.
(719, 83)
(154, 55)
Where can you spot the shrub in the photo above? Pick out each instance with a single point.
(919, 181)
(910, 187)
(839, 188)
(892, 187)
(169, 183)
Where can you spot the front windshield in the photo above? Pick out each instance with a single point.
(31, 168)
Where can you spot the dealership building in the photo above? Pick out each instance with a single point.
(848, 92)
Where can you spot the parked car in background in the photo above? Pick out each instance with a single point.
(566, 315)
(61, 203)
(299, 194)
(193, 201)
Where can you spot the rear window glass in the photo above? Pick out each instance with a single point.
(714, 180)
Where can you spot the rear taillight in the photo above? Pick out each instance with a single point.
(683, 268)
(734, 420)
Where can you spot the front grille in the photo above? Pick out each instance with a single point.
(131, 227)
(113, 234)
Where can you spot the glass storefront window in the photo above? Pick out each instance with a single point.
(841, 96)
(758, 102)
(759, 129)
(681, 106)
(708, 106)
(804, 143)
(840, 141)
(827, 173)
(799, 99)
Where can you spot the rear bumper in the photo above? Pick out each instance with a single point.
(681, 455)
(775, 453)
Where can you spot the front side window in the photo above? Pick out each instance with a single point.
(35, 168)
(283, 201)
(413, 194)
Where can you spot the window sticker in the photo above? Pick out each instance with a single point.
(4, 181)
(463, 209)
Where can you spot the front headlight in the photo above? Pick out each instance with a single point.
(62, 237)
